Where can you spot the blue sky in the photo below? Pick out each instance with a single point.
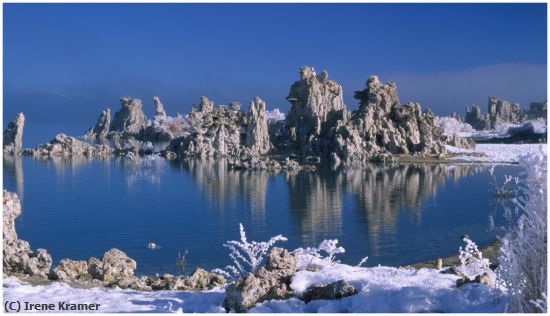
(65, 62)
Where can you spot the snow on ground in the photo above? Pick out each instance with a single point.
(388, 290)
(116, 300)
(381, 289)
(494, 153)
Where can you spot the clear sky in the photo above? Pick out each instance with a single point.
(65, 62)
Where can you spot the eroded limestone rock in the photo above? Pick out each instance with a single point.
(206, 105)
(114, 265)
(63, 145)
(382, 125)
(198, 280)
(159, 108)
(257, 137)
(71, 270)
(537, 110)
(333, 291)
(457, 141)
(101, 127)
(269, 282)
(125, 144)
(317, 103)
(216, 132)
(13, 135)
(130, 119)
(501, 112)
(18, 258)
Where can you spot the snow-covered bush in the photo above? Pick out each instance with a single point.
(472, 263)
(247, 256)
(274, 116)
(328, 246)
(508, 189)
(451, 125)
(523, 254)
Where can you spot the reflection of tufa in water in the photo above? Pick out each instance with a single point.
(227, 185)
(316, 200)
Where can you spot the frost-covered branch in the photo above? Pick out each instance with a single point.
(362, 261)
(247, 256)
(177, 126)
(328, 246)
(523, 254)
(509, 189)
(472, 263)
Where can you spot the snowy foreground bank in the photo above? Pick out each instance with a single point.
(494, 153)
(381, 289)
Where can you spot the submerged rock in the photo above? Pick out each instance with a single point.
(63, 145)
(101, 128)
(269, 282)
(13, 135)
(333, 291)
(130, 119)
(18, 258)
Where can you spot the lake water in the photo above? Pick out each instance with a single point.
(395, 215)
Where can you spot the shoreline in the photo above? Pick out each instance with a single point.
(489, 251)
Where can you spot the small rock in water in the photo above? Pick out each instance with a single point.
(151, 245)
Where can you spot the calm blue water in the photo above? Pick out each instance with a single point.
(395, 215)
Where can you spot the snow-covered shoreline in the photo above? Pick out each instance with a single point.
(494, 153)
(381, 289)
